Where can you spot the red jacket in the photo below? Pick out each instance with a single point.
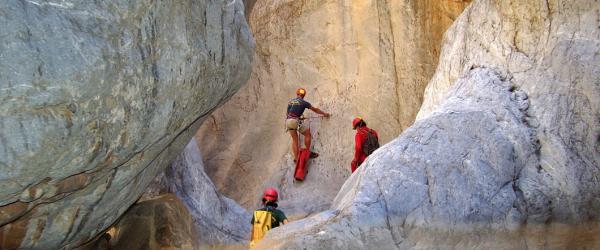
(359, 155)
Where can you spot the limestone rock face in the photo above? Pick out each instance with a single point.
(160, 223)
(97, 97)
(554, 57)
(504, 153)
(368, 58)
(218, 219)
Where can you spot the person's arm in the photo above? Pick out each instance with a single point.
(318, 111)
(357, 149)
(282, 218)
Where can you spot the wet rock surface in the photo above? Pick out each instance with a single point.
(219, 221)
(504, 153)
(96, 98)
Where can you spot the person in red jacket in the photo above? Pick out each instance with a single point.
(366, 141)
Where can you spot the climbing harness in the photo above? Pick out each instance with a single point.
(301, 120)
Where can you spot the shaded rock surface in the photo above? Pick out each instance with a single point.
(96, 98)
(504, 153)
(218, 219)
(160, 223)
(369, 58)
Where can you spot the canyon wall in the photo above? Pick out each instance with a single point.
(504, 154)
(367, 58)
(97, 97)
(218, 220)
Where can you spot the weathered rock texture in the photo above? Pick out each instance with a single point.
(160, 223)
(96, 98)
(554, 57)
(218, 219)
(505, 153)
(369, 58)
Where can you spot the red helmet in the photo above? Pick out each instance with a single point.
(356, 121)
(301, 91)
(270, 194)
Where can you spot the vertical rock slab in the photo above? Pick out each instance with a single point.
(219, 221)
(96, 97)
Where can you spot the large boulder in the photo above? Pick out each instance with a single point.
(504, 153)
(551, 51)
(219, 221)
(97, 98)
(368, 58)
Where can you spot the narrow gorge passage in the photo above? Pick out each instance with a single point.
(371, 59)
(454, 173)
(159, 124)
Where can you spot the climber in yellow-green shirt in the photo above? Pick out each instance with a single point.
(266, 218)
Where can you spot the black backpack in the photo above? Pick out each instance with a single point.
(370, 144)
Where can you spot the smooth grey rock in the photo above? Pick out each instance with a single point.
(218, 219)
(96, 98)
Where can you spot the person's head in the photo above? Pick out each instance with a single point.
(358, 122)
(270, 196)
(300, 92)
